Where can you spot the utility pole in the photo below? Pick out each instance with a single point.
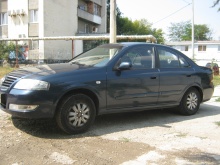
(193, 29)
(112, 21)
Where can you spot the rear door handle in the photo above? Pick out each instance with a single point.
(153, 77)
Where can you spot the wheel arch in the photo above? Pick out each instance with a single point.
(197, 88)
(200, 92)
(84, 91)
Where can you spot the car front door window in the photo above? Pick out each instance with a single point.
(140, 57)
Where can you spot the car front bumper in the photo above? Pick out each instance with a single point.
(27, 104)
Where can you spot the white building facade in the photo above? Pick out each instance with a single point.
(51, 18)
(204, 51)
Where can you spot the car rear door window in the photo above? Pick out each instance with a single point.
(169, 59)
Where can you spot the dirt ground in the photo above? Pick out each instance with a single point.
(150, 137)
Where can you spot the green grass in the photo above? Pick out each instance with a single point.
(218, 99)
(5, 70)
(180, 134)
(216, 80)
(125, 139)
(217, 123)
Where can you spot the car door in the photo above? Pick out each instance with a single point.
(176, 75)
(137, 86)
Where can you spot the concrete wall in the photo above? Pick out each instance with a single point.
(3, 28)
(59, 20)
(78, 47)
(3, 6)
(103, 26)
(55, 18)
(4, 31)
(33, 4)
(202, 57)
(33, 30)
(18, 25)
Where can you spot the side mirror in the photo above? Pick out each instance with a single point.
(124, 66)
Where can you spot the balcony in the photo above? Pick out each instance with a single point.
(33, 30)
(89, 17)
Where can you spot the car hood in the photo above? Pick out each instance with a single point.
(58, 68)
(45, 70)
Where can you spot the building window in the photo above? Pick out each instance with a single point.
(83, 7)
(33, 45)
(86, 28)
(4, 19)
(33, 16)
(185, 48)
(97, 9)
(202, 48)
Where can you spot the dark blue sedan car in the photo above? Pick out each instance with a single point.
(110, 78)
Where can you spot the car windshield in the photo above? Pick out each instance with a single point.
(98, 56)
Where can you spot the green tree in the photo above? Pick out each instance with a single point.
(126, 26)
(216, 3)
(5, 49)
(179, 31)
(182, 31)
(159, 35)
(202, 32)
(138, 27)
(142, 27)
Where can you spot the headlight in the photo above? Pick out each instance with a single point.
(31, 84)
(2, 80)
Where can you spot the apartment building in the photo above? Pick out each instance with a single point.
(52, 18)
(204, 51)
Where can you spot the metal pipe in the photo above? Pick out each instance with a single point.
(150, 38)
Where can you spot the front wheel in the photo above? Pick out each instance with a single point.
(190, 102)
(76, 114)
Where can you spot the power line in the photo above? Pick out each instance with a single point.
(172, 13)
(186, 1)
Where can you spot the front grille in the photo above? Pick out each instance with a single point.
(3, 100)
(12, 77)
(9, 80)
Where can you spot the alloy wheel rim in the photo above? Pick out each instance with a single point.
(192, 101)
(79, 115)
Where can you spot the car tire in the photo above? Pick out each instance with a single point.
(76, 114)
(190, 102)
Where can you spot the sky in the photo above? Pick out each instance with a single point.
(161, 13)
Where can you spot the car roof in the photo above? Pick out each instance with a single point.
(127, 44)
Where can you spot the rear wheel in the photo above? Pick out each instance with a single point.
(76, 114)
(190, 102)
